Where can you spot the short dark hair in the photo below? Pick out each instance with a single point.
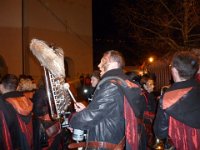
(186, 63)
(96, 74)
(10, 81)
(116, 56)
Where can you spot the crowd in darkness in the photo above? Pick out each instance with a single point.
(115, 109)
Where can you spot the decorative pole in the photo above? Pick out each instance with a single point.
(23, 49)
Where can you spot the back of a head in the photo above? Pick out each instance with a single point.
(116, 56)
(144, 79)
(133, 76)
(186, 64)
(10, 82)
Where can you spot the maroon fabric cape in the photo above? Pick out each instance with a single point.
(183, 136)
(7, 144)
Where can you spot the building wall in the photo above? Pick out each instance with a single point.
(66, 23)
(10, 35)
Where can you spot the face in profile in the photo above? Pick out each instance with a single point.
(94, 81)
(103, 66)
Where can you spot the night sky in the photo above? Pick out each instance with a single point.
(103, 21)
(106, 35)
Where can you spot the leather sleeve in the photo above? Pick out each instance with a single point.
(161, 123)
(103, 104)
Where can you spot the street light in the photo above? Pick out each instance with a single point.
(146, 64)
(151, 59)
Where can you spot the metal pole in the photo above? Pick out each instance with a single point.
(23, 50)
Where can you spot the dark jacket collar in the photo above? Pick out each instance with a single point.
(184, 84)
(115, 72)
(11, 94)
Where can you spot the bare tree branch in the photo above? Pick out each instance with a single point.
(170, 12)
(168, 23)
(165, 39)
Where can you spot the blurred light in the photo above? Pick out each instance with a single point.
(151, 59)
(85, 90)
(141, 73)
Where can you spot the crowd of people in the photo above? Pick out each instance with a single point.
(122, 112)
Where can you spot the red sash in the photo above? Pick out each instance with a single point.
(131, 133)
(27, 130)
(5, 133)
(183, 137)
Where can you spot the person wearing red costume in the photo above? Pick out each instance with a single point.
(177, 118)
(16, 131)
(48, 134)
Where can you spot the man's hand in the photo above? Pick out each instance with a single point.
(79, 106)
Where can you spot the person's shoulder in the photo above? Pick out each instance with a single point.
(196, 88)
(108, 84)
(133, 84)
(2, 103)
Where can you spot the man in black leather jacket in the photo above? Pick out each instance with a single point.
(178, 113)
(104, 118)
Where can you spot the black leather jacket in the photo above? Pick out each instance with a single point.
(104, 117)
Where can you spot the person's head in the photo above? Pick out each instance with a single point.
(133, 76)
(26, 83)
(95, 77)
(111, 60)
(9, 83)
(147, 83)
(184, 65)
